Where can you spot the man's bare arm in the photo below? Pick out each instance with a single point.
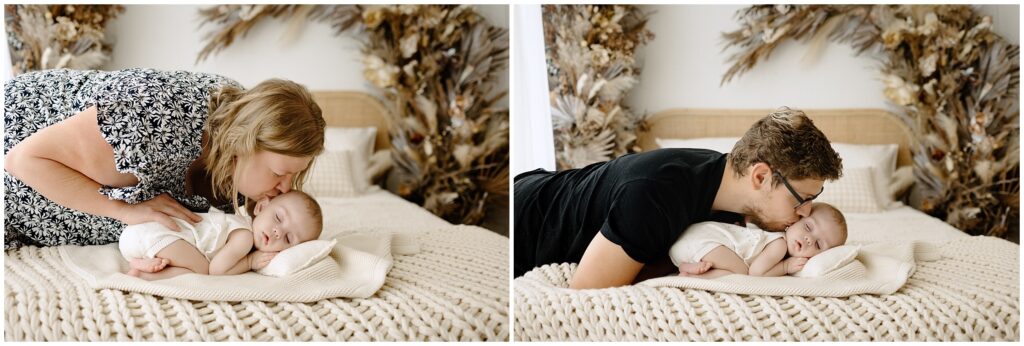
(604, 264)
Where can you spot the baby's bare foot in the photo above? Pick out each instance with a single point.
(694, 268)
(148, 265)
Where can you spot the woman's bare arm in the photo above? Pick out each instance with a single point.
(69, 161)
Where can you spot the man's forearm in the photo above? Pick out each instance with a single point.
(604, 264)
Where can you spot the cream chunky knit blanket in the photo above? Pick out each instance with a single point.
(356, 268)
(970, 293)
(879, 268)
(455, 288)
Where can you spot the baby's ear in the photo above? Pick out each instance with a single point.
(260, 206)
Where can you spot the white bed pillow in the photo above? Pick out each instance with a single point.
(359, 139)
(881, 158)
(719, 144)
(827, 261)
(298, 257)
(853, 193)
(335, 174)
(341, 170)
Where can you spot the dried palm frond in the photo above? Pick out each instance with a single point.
(591, 68)
(235, 21)
(437, 68)
(58, 36)
(956, 81)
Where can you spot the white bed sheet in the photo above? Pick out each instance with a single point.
(901, 223)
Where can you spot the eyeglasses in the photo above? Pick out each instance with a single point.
(800, 200)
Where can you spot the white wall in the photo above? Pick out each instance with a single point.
(684, 64)
(169, 37)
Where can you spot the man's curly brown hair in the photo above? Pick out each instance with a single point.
(790, 144)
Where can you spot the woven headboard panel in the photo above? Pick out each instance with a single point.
(857, 126)
(354, 109)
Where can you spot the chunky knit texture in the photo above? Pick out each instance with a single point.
(455, 288)
(971, 293)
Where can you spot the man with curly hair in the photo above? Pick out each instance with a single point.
(615, 217)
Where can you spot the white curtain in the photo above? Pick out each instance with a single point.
(8, 73)
(532, 139)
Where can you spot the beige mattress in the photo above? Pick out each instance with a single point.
(971, 293)
(455, 289)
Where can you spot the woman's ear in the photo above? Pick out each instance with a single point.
(260, 206)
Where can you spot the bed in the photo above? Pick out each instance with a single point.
(454, 289)
(971, 293)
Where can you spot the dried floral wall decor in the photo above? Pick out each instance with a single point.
(44, 37)
(590, 51)
(437, 68)
(957, 84)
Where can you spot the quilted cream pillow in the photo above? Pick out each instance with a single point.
(880, 158)
(334, 174)
(853, 193)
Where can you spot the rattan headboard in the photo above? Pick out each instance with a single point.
(354, 109)
(857, 126)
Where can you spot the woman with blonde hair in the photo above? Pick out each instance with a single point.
(89, 152)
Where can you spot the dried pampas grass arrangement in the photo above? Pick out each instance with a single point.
(590, 51)
(437, 67)
(956, 81)
(43, 37)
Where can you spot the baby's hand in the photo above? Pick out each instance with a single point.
(795, 264)
(259, 259)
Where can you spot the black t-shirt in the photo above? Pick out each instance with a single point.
(641, 202)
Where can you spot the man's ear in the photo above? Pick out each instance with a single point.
(760, 175)
(260, 206)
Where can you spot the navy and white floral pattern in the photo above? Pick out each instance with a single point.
(153, 119)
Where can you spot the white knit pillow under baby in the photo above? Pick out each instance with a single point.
(297, 257)
(334, 175)
(827, 261)
(853, 193)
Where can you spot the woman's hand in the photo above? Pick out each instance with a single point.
(159, 209)
(259, 259)
(795, 264)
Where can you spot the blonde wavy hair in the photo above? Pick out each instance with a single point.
(276, 115)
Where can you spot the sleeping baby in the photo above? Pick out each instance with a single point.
(713, 249)
(222, 244)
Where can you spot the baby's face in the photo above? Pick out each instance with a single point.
(284, 222)
(813, 234)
